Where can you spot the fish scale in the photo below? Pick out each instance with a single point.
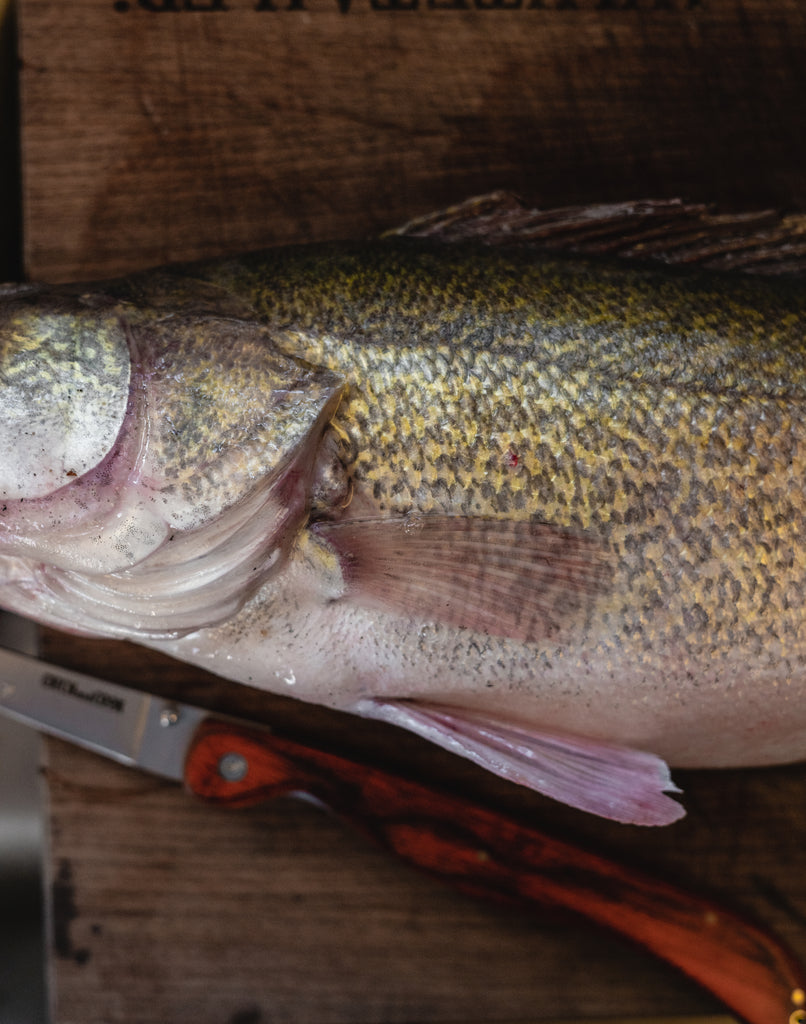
(566, 494)
(648, 436)
(672, 416)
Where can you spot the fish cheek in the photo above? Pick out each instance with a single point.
(64, 379)
(226, 410)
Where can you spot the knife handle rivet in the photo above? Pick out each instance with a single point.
(169, 716)
(233, 767)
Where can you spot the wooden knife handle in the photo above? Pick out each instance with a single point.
(491, 855)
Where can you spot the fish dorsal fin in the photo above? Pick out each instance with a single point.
(519, 579)
(615, 782)
(669, 231)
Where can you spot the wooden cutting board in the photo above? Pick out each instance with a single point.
(156, 130)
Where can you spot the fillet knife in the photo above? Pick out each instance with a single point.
(485, 853)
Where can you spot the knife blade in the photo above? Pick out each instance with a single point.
(479, 850)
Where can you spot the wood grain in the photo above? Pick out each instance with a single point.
(158, 130)
(175, 129)
(168, 910)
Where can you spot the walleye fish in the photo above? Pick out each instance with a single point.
(546, 512)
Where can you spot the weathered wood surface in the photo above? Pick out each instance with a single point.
(156, 130)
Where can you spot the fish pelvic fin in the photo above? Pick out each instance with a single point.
(518, 579)
(615, 782)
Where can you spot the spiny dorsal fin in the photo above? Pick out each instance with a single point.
(668, 231)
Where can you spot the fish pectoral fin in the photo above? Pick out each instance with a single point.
(615, 782)
(518, 579)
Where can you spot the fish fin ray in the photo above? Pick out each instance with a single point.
(669, 231)
(519, 579)
(615, 782)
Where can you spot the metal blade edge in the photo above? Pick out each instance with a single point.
(134, 728)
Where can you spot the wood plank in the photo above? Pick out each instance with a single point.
(155, 130)
(283, 914)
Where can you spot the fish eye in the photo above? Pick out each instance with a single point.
(64, 374)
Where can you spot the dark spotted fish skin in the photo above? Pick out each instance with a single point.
(656, 415)
(661, 411)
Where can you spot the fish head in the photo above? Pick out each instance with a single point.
(155, 466)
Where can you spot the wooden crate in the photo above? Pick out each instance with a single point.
(156, 130)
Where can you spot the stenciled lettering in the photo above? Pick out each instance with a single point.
(71, 689)
(173, 6)
(269, 5)
(346, 6)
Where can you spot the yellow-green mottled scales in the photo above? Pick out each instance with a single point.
(661, 412)
(624, 445)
